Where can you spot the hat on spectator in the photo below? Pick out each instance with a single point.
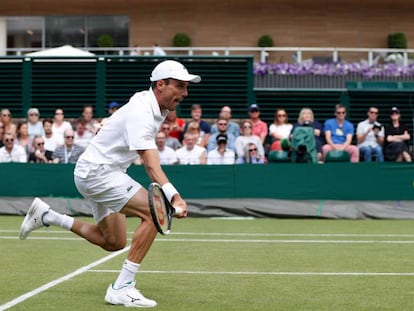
(174, 70)
(254, 107)
(221, 138)
(394, 109)
(113, 105)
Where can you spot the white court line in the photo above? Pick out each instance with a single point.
(60, 280)
(379, 235)
(240, 241)
(266, 273)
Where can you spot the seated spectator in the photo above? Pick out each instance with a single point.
(1, 134)
(59, 125)
(339, 133)
(170, 141)
(245, 138)
(35, 125)
(112, 107)
(370, 137)
(280, 129)
(40, 154)
(87, 115)
(167, 154)
(221, 125)
(232, 127)
(12, 152)
(251, 155)
(306, 118)
(69, 152)
(259, 127)
(22, 137)
(176, 125)
(191, 153)
(82, 134)
(6, 119)
(221, 154)
(205, 128)
(397, 138)
(51, 142)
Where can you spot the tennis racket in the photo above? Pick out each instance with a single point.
(162, 211)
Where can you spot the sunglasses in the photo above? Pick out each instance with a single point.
(222, 124)
(340, 112)
(40, 144)
(251, 150)
(247, 126)
(9, 140)
(33, 114)
(281, 115)
(374, 112)
(6, 115)
(166, 128)
(69, 137)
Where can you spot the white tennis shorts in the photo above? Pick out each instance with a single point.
(106, 188)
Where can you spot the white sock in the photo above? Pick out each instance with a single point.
(57, 219)
(127, 275)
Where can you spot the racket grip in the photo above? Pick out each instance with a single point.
(178, 211)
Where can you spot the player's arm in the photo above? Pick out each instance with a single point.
(151, 161)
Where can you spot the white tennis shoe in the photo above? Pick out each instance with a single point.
(34, 218)
(128, 296)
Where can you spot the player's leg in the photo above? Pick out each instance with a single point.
(123, 291)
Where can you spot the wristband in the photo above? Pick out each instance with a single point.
(169, 191)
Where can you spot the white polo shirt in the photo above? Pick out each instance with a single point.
(132, 127)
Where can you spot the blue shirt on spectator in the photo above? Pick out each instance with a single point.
(339, 133)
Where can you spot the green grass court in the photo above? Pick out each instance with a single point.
(221, 264)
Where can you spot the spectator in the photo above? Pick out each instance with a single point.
(259, 127)
(69, 152)
(40, 154)
(205, 128)
(82, 135)
(12, 152)
(35, 125)
(339, 133)
(176, 125)
(221, 154)
(194, 128)
(306, 118)
(221, 125)
(1, 134)
(112, 107)
(191, 153)
(280, 129)
(247, 137)
(171, 142)
(87, 114)
(396, 139)
(232, 127)
(22, 137)
(6, 119)
(158, 51)
(59, 125)
(370, 137)
(167, 154)
(136, 51)
(50, 139)
(251, 155)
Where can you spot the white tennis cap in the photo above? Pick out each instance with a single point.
(174, 70)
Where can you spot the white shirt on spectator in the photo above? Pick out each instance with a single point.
(192, 156)
(51, 143)
(167, 156)
(215, 157)
(58, 131)
(370, 140)
(84, 140)
(18, 154)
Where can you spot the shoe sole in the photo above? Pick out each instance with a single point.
(32, 210)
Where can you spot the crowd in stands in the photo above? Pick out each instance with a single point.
(196, 142)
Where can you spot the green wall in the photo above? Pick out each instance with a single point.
(334, 181)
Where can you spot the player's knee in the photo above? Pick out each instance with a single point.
(114, 245)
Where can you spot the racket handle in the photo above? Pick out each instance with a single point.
(178, 211)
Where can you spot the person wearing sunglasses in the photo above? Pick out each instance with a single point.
(12, 152)
(6, 119)
(245, 138)
(251, 155)
(35, 126)
(397, 137)
(280, 129)
(69, 152)
(370, 137)
(339, 133)
(40, 154)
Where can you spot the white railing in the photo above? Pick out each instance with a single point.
(278, 54)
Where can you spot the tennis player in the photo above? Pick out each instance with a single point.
(100, 176)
